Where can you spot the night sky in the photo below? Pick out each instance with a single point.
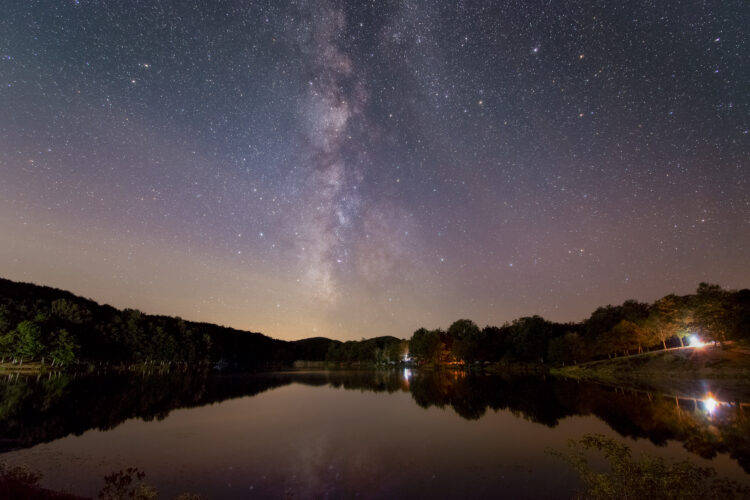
(353, 169)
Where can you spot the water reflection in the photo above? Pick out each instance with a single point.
(41, 409)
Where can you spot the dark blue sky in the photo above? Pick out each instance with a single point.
(353, 169)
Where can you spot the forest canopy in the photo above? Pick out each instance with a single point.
(711, 314)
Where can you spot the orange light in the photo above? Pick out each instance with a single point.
(710, 404)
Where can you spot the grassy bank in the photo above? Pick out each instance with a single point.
(23, 369)
(37, 367)
(672, 367)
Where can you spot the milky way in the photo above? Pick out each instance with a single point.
(353, 169)
(334, 97)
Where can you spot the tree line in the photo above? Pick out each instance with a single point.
(379, 350)
(42, 323)
(711, 313)
(46, 324)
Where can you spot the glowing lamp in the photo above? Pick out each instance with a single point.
(710, 404)
(695, 341)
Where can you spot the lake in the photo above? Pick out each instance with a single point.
(340, 434)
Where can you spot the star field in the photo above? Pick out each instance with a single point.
(352, 169)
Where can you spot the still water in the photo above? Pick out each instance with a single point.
(336, 434)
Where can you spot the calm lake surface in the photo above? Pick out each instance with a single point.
(336, 434)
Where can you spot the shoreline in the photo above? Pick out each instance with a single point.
(727, 367)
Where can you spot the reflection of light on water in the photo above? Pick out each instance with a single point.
(407, 373)
(710, 404)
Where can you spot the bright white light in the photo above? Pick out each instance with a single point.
(710, 404)
(407, 373)
(694, 341)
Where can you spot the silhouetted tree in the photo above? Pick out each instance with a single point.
(426, 345)
(463, 337)
(713, 312)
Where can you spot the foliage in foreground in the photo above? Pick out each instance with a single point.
(128, 484)
(649, 477)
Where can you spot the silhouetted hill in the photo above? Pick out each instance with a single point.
(38, 321)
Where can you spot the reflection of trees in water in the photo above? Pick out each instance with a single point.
(471, 395)
(662, 418)
(375, 380)
(34, 411)
(38, 410)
